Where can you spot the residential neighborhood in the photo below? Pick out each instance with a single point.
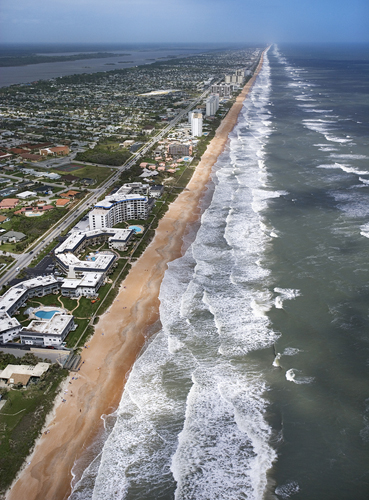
(61, 141)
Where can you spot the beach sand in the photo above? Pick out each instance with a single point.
(119, 337)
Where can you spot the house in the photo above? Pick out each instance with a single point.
(4, 156)
(135, 147)
(87, 181)
(156, 191)
(4, 218)
(15, 374)
(12, 236)
(27, 194)
(148, 129)
(9, 203)
(69, 178)
(70, 194)
(16, 151)
(30, 157)
(43, 189)
(56, 151)
(8, 191)
(62, 203)
(42, 208)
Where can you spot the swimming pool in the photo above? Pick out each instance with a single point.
(136, 229)
(45, 314)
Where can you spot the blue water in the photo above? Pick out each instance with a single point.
(45, 314)
(44, 71)
(257, 385)
(136, 229)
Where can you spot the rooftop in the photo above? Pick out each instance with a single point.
(55, 326)
(32, 371)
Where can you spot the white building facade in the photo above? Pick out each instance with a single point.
(212, 105)
(120, 207)
(196, 125)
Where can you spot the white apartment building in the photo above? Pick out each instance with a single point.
(120, 207)
(196, 125)
(212, 105)
(87, 286)
(9, 328)
(50, 332)
(190, 113)
(223, 90)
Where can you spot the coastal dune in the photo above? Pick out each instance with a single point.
(119, 337)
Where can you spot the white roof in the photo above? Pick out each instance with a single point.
(32, 371)
(76, 238)
(102, 261)
(17, 291)
(6, 322)
(118, 197)
(88, 280)
(54, 326)
(71, 242)
(26, 194)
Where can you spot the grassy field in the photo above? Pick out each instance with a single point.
(105, 154)
(32, 227)
(74, 336)
(99, 174)
(21, 421)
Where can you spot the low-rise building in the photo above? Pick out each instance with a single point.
(9, 203)
(87, 286)
(156, 191)
(16, 297)
(55, 151)
(45, 332)
(14, 374)
(27, 194)
(12, 237)
(102, 263)
(9, 328)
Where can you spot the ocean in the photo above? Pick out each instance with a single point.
(256, 385)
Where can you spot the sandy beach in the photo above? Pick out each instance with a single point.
(119, 337)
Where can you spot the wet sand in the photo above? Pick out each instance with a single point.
(118, 340)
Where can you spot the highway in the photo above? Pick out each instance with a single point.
(25, 259)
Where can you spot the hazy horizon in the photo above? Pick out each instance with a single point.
(183, 21)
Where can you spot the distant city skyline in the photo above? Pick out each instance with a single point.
(183, 21)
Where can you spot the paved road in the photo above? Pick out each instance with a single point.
(24, 260)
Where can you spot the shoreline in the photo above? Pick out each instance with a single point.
(119, 338)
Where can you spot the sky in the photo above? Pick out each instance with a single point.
(183, 21)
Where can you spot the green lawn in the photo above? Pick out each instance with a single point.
(32, 227)
(99, 174)
(74, 336)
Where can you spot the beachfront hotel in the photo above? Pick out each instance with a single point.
(212, 105)
(119, 207)
(196, 125)
(223, 89)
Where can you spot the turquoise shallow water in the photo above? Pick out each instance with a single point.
(45, 314)
(256, 386)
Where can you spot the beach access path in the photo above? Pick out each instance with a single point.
(119, 338)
